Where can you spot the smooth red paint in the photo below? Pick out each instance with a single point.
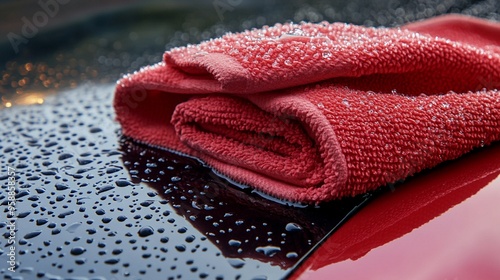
(442, 224)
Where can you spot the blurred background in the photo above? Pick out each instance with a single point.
(50, 45)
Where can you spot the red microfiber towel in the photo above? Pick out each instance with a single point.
(315, 112)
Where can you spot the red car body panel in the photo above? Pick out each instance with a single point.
(441, 224)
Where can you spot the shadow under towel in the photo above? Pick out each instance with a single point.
(316, 112)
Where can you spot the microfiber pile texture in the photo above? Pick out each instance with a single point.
(314, 112)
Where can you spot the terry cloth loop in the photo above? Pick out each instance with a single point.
(315, 112)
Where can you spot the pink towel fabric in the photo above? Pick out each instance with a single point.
(315, 112)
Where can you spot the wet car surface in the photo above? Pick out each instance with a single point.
(91, 204)
(438, 225)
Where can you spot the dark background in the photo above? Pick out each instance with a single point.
(99, 41)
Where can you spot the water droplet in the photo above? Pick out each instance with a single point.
(82, 161)
(65, 156)
(234, 243)
(61, 187)
(268, 250)
(121, 218)
(123, 183)
(180, 248)
(291, 227)
(42, 221)
(295, 35)
(111, 170)
(116, 251)
(236, 263)
(164, 239)
(23, 214)
(19, 195)
(175, 179)
(32, 234)
(112, 261)
(146, 231)
(77, 251)
(147, 203)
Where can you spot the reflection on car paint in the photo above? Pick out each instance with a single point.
(91, 203)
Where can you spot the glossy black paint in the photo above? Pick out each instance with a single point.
(91, 203)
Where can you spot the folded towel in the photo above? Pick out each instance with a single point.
(314, 112)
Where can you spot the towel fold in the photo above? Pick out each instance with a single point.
(315, 112)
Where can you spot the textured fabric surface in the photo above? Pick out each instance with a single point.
(315, 112)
